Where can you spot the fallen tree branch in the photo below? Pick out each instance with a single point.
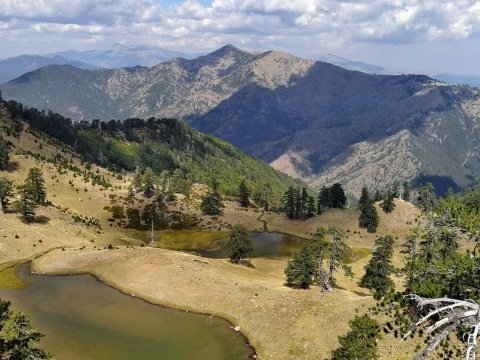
(451, 313)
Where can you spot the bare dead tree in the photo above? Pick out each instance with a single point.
(448, 314)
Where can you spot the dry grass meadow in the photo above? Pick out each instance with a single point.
(280, 322)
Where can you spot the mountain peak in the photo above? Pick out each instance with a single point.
(226, 50)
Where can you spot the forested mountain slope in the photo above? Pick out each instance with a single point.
(161, 144)
(312, 120)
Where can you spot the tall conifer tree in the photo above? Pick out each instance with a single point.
(243, 194)
(26, 204)
(148, 180)
(6, 193)
(4, 154)
(212, 204)
(379, 268)
(35, 184)
(407, 189)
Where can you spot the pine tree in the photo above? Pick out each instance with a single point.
(338, 253)
(324, 199)
(148, 180)
(379, 268)
(360, 343)
(388, 204)
(157, 204)
(290, 200)
(263, 195)
(364, 198)
(339, 199)
(303, 204)
(331, 197)
(243, 194)
(298, 204)
(239, 244)
(35, 184)
(6, 193)
(17, 337)
(317, 246)
(4, 154)
(427, 199)
(301, 269)
(137, 180)
(369, 217)
(167, 189)
(339, 250)
(180, 182)
(311, 207)
(26, 205)
(395, 190)
(407, 189)
(212, 204)
(378, 196)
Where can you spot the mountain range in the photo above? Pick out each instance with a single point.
(14, 67)
(115, 56)
(352, 65)
(459, 79)
(119, 56)
(310, 119)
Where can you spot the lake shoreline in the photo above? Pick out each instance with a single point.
(150, 301)
(253, 298)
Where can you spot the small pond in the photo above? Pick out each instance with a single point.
(86, 319)
(266, 244)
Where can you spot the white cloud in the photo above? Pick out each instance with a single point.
(292, 25)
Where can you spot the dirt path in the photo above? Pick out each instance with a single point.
(264, 222)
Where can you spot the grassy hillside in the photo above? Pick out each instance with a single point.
(213, 286)
(161, 144)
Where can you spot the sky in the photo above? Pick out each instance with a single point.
(428, 36)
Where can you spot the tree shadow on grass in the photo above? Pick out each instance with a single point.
(38, 219)
(359, 293)
(247, 263)
(41, 219)
(12, 166)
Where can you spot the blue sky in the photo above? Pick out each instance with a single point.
(402, 35)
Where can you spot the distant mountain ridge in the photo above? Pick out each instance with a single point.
(312, 120)
(458, 79)
(352, 65)
(14, 67)
(120, 56)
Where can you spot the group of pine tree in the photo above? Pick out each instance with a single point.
(300, 204)
(368, 218)
(212, 203)
(163, 145)
(28, 196)
(319, 259)
(434, 267)
(308, 265)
